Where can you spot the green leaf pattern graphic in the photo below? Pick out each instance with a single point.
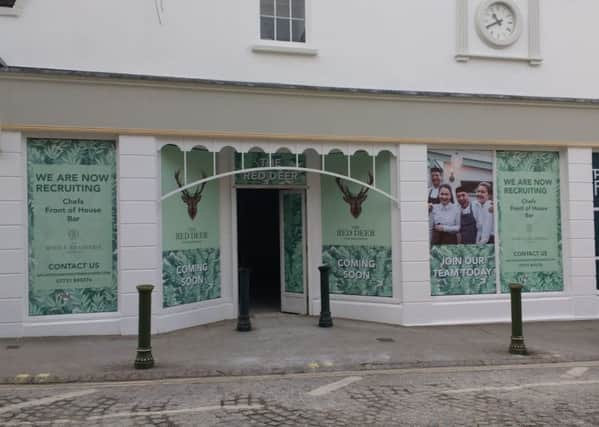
(293, 247)
(465, 281)
(375, 281)
(533, 161)
(188, 288)
(78, 300)
(72, 301)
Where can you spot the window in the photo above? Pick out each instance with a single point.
(11, 7)
(283, 20)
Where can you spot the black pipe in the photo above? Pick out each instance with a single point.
(517, 343)
(144, 358)
(243, 320)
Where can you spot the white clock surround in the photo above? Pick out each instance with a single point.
(527, 30)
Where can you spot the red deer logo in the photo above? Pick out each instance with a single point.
(354, 201)
(191, 200)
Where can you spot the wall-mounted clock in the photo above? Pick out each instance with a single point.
(499, 22)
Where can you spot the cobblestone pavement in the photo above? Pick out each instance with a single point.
(550, 394)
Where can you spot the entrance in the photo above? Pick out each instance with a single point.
(271, 243)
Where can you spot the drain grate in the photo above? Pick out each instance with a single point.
(385, 339)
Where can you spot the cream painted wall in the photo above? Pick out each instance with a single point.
(382, 44)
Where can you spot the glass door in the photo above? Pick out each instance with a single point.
(292, 207)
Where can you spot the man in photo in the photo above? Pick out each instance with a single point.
(468, 230)
(483, 212)
(436, 181)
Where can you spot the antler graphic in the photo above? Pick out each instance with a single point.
(354, 201)
(191, 199)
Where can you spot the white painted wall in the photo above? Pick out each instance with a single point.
(139, 243)
(14, 311)
(139, 227)
(579, 224)
(383, 44)
(13, 256)
(140, 251)
(415, 268)
(577, 301)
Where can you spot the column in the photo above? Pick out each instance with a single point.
(13, 220)
(579, 232)
(139, 227)
(414, 247)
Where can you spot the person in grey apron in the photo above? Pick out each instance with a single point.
(467, 234)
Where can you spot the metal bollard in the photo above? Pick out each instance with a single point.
(144, 358)
(243, 320)
(325, 320)
(517, 344)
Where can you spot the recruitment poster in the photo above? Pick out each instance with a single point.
(529, 220)
(190, 229)
(71, 188)
(461, 222)
(356, 226)
(258, 159)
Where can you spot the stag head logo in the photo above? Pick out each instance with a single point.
(354, 200)
(191, 199)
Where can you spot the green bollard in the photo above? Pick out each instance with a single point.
(517, 344)
(144, 358)
(243, 320)
(325, 320)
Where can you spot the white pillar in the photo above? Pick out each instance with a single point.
(414, 248)
(13, 232)
(314, 231)
(138, 227)
(580, 234)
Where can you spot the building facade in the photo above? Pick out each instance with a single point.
(430, 152)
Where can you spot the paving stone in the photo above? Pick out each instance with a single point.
(426, 398)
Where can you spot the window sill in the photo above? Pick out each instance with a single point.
(285, 48)
(9, 11)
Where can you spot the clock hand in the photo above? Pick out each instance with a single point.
(497, 20)
(493, 23)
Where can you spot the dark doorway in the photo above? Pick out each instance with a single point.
(258, 246)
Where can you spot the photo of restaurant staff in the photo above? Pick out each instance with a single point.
(460, 198)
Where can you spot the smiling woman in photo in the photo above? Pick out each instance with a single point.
(445, 219)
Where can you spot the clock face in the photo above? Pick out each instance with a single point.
(498, 22)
